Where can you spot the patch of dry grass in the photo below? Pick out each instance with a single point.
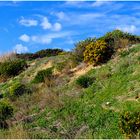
(16, 132)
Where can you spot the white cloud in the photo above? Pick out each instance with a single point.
(61, 15)
(128, 28)
(28, 22)
(45, 23)
(48, 38)
(99, 3)
(24, 38)
(19, 48)
(74, 3)
(48, 25)
(57, 27)
(41, 39)
(82, 18)
(83, 3)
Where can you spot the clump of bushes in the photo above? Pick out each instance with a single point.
(6, 111)
(130, 124)
(97, 52)
(40, 54)
(84, 81)
(43, 75)
(12, 68)
(118, 39)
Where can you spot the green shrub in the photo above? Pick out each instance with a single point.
(48, 52)
(60, 66)
(80, 48)
(39, 54)
(18, 89)
(6, 111)
(12, 68)
(117, 39)
(124, 53)
(97, 52)
(130, 124)
(84, 81)
(42, 75)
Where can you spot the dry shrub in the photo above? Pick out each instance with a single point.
(7, 56)
(124, 43)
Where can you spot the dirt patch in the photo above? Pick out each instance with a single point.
(109, 107)
(47, 65)
(124, 98)
(80, 70)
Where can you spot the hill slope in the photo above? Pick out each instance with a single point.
(65, 110)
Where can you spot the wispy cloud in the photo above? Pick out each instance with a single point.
(28, 22)
(10, 3)
(74, 3)
(61, 15)
(87, 4)
(45, 38)
(86, 18)
(128, 28)
(99, 3)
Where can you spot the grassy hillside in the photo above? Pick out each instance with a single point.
(88, 93)
(65, 110)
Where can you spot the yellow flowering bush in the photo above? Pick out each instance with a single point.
(97, 52)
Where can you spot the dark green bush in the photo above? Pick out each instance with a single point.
(48, 52)
(114, 39)
(18, 89)
(40, 54)
(42, 75)
(84, 81)
(12, 68)
(6, 111)
(130, 124)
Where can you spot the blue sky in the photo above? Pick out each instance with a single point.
(32, 26)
